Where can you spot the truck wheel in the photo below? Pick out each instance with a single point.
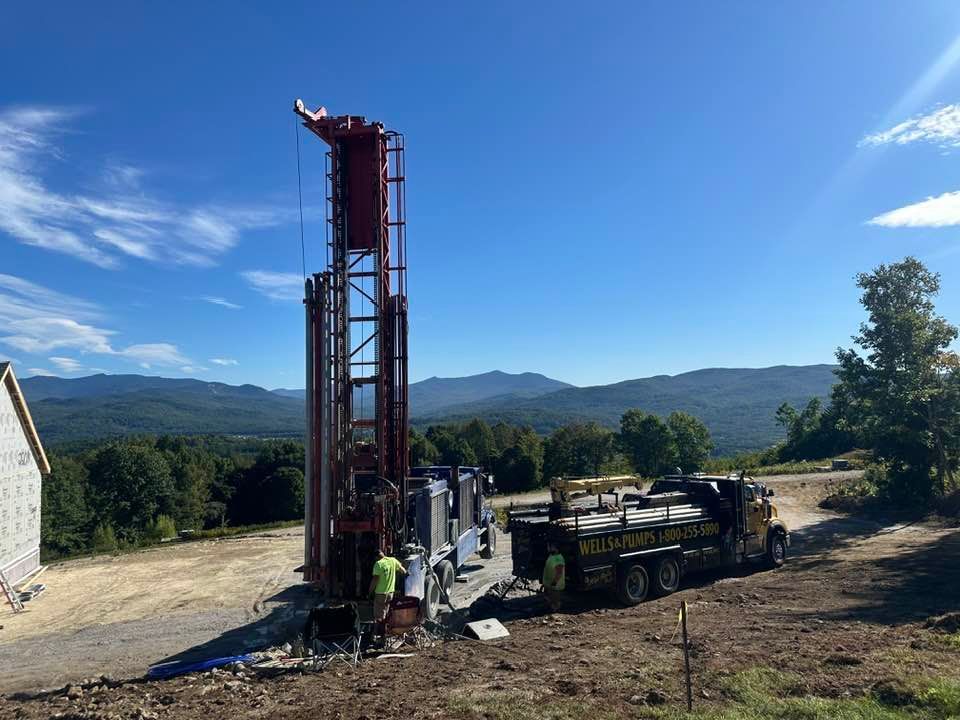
(430, 605)
(632, 584)
(777, 550)
(446, 575)
(490, 546)
(666, 576)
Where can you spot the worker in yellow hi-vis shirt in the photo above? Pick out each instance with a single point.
(554, 577)
(384, 584)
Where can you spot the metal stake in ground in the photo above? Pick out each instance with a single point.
(686, 654)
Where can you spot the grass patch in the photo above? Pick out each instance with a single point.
(231, 530)
(765, 694)
(761, 465)
(950, 641)
(756, 694)
(799, 468)
(517, 705)
(211, 534)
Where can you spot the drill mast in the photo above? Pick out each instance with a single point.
(356, 359)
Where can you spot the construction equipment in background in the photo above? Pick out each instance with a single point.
(645, 543)
(360, 492)
(563, 489)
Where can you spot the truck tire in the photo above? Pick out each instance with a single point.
(776, 550)
(633, 583)
(430, 605)
(490, 542)
(666, 575)
(446, 575)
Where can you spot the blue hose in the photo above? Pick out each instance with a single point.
(172, 669)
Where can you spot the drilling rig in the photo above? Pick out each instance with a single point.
(361, 494)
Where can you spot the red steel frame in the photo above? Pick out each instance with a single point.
(357, 454)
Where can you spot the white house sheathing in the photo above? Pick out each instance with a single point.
(22, 465)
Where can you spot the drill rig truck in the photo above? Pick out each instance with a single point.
(361, 495)
(636, 544)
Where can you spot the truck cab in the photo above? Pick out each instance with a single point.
(759, 531)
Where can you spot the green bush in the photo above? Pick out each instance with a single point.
(104, 538)
(159, 529)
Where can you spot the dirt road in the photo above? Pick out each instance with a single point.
(847, 611)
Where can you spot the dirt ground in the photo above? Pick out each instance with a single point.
(848, 610)
(117, 615)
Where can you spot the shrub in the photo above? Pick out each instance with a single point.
(104, 539)
(159, 529)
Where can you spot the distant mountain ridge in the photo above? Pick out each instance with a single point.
(66, 409)
(738, 405)
(435, 393)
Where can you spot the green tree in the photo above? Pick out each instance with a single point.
(129, 486)
(579, 449)
(649, 442)
(504, 436)
(479, 436)
(64, 515)
(458, 453)
(520, 466)
(283, 494)
(691, 438)
(252, 502)
(422, 451)
(904, 386)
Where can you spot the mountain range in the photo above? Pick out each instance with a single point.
(736, 404)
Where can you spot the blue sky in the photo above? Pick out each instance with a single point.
(594, 192)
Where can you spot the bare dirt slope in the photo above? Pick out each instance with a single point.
(848, 611)
(117, 614)
(120, 614)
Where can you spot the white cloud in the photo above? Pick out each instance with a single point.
(119, 175)
(940, 127)
(41, 371)
(222, 302)
(224, 361)
(275, 285)
(123, 221)
(43, 334)
(35, 319)
(65, 364)
(155, 354)
(191, 370)
(940, 211)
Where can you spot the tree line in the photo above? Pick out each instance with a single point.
(128, 492)
(522, 460)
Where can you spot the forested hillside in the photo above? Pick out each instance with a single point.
(738, 405)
